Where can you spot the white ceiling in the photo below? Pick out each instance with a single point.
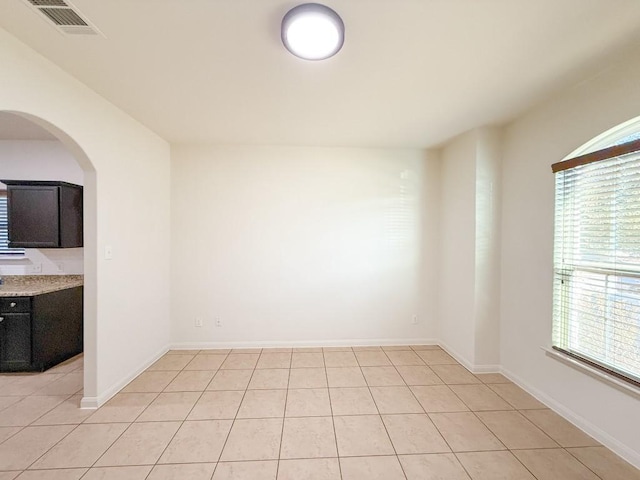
(412, 73)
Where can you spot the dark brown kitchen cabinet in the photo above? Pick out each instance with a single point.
(15, 341)
(44, 214)
(40, 331)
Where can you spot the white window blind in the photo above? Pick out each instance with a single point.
(4, 232)
(596, 313)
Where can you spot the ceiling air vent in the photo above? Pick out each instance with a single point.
(64, 16)
(48, 3)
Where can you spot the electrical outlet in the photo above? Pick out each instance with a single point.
(37, 268)
(198, 322)
(60, 267)
(414, 320)
(218, 322)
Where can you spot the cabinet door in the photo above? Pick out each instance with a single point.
(70, 217)
(56, 327)
(15, 341)
(33, 213)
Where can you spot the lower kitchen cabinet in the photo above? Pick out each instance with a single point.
(15, 341)
(40, 331)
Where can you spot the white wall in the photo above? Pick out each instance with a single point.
(41, 160)
(126, 179)
(38, 160)
(303, 245)
(487, 249)
(52, 261)
(458, 257)
(469, 302)
(531, 144)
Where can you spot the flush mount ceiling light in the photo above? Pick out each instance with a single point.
(312, 31)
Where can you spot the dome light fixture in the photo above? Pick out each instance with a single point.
(312, 31)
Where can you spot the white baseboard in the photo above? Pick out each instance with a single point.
(486, 369)
(302, 344)
(589, 428)
(472, 367)
(89, 403)
(95, 402)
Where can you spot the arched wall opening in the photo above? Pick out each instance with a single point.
(90, 245)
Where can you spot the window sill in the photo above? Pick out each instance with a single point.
(593, 372)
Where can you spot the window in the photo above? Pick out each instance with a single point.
(596, 313)
(4, 233)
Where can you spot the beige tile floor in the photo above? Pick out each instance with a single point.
(410, 413)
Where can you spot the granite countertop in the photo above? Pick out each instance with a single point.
(29, 285)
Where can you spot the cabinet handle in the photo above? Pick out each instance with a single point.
(12, 304)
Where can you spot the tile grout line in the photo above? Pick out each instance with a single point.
(194, 406)
(233, 422)
(58, 442)
(54, 445)
(409, 386)
(483, 423)
(566, 449)
(14, 433)
(333, 420)
(431, 420)
(284, 414)
(93, 465)
(465, 404)
(36, 375)
(297, 458)
(557, 447)
(31, 424)
(33, 394)
(378, 409)
(423, 409)
(188, 413)
(157, 394)
(439, 431)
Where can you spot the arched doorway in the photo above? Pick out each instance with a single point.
(90, 245)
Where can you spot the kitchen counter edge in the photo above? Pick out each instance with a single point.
(29, 286)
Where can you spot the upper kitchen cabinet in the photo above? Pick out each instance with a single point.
(44, 214)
